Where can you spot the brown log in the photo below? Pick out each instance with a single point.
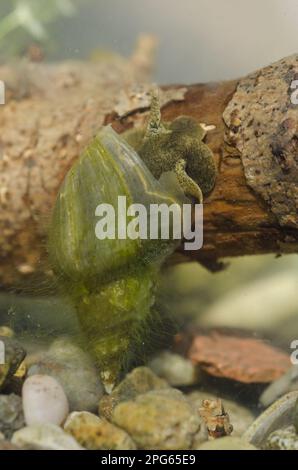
(52, 111)
(236, 219)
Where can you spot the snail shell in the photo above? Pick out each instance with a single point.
(111, 281)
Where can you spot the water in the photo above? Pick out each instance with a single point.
(198, 41)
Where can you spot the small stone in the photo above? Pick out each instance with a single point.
(288, 382)
(175, 369)
(44, 400)
(44, 437)
(11, 414)
(159, 419)
(282, 439)
(139, 380)
(227, 443)
(13, 356)
(95, 433)
(74, 370)
(6, 331)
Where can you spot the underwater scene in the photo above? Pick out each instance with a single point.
(148, 229)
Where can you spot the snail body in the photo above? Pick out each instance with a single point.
(176, 146)
(111, 281)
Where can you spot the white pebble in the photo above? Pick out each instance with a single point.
(44, 437)
(175, 369)
(44, 400)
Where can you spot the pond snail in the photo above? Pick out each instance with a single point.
(112, 281)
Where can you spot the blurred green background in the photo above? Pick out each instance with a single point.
(199, 40)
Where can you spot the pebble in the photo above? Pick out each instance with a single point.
(11, 414)
(13, 356)
(282, 439)
(139, 380)
(277, 292)
(227, 443)
(44, 400)
(159, 419)
(44, 437)
(175, 369)
(288, 382)
(95, 433)
(74, 370)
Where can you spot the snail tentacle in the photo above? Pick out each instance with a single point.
(155, 126)
(187, 184)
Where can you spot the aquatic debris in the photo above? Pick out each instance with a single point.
(246, 360)
(275, 417)
(239, 415)
(216, 419)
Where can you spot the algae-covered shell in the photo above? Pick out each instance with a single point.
(108, 168)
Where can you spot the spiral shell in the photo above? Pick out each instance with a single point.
(111, 281)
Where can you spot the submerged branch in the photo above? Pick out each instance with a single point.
(52, 111)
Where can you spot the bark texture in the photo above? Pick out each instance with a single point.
(52, 111)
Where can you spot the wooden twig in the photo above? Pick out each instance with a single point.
(52, 111)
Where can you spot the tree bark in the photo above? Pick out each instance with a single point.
(52, 111)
